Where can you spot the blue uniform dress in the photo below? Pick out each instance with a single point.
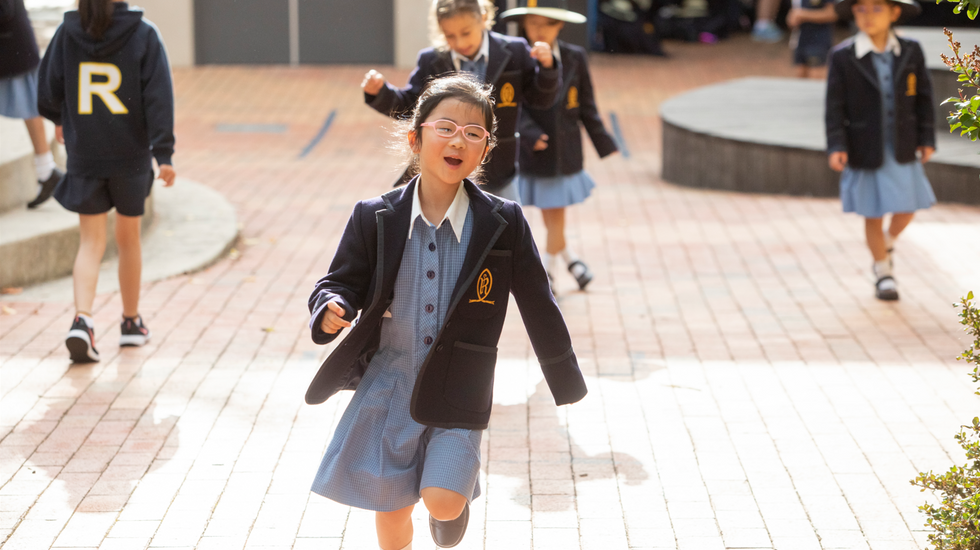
(893, 187)
(380, 458)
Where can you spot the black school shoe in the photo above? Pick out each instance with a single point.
(447, 534)
(886, 289)
(584, 278)
(133, 333)
(47, 188)
(81, 342)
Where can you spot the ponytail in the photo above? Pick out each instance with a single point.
(96, 16)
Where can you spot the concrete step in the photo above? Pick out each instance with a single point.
(193, 225)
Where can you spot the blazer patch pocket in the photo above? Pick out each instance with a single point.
(487, 294)
(469, 379)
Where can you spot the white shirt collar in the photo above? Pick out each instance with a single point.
(484, 52)
(456, 213)
(863, 45)
(556, 51)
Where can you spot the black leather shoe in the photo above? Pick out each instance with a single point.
(447, 534)
(584, 277)
(47, 188)
(885, 289)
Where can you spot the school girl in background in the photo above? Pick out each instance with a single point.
(520, 74)
(429, 267)
(880, 127)
(812, 22)
(551, 174)
(105, 82)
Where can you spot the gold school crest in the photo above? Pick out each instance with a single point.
(572, 98)
(910, 85)
(507, 96)
(483, 285)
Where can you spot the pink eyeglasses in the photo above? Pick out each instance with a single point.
(448, 129)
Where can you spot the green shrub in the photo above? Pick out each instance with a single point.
(956, 521)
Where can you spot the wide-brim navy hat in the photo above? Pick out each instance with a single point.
(555, 9)
(910, 8)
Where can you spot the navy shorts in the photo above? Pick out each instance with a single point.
(814, 45)
(88, 195)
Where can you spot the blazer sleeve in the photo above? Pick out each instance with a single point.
(541, 86)
(530, 131)
(397, 102)
(925, 112)
(604, 143)
(158, 98)
(836, 98)
(543, 320)
(6, 10)
(347, 280)
(51, 80)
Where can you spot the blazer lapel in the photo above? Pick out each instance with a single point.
(867, 68)
(488, 224)
(392, 232)
(443, 63)
(902, 60)
(499, 58)
(569, 64)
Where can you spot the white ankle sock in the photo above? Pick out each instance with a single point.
(44, 166)
(882, 269)
(88, 320)
(570, 257)
(550, 262)
(762, 24)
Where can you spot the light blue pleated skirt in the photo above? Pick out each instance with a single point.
(18, 96)
(892, 188)
(555, 192)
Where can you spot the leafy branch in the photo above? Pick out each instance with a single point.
(966, 65)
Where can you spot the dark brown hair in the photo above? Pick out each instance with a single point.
(96, 16)
(444, 9)
(463, 87)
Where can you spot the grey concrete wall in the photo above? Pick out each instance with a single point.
(175, 19)
(359, 31)
(241, 31)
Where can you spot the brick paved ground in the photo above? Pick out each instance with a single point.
(747, 391)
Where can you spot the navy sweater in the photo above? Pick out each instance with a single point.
(113, 96)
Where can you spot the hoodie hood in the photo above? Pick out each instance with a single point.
(125, 22)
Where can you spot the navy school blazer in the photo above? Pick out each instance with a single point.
(576, 103)
(854, 113)
(454, 387)
(517, 78)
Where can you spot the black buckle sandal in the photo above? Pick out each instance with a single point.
(583, 279)
(886, 294)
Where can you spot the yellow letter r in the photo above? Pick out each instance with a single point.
(105, 90)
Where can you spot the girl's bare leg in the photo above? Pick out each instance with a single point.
(554, 222)
(394, 528)
(85, 275)
(35, 127)
(130, 262)
(899, 222)
(876, 239)
(443, 504)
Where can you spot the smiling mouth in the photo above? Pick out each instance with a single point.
(453, 161)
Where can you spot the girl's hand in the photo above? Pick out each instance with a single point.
(542, 52)
(373, 82)
(542, 143)
(333, 318)
(838, 161)
(925, 153)
(59, 135)
(167, 174)
(794, 18)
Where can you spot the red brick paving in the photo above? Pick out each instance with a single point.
(747, 390)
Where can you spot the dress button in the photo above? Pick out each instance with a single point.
(439, 347)
(429, 308)
(428, 340)
(431, 274)
(432, 247)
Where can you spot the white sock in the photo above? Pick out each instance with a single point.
(88, 320)
(570, 257)
(889, 241)
(762, 24)
(550, 262)
(44, 166)
(882, 269)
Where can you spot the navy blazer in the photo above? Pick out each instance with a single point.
(517, 78)
(854, 112)
(561, 122)
(454, 387)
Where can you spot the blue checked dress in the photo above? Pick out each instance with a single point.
(380, 458)
(893, 187)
